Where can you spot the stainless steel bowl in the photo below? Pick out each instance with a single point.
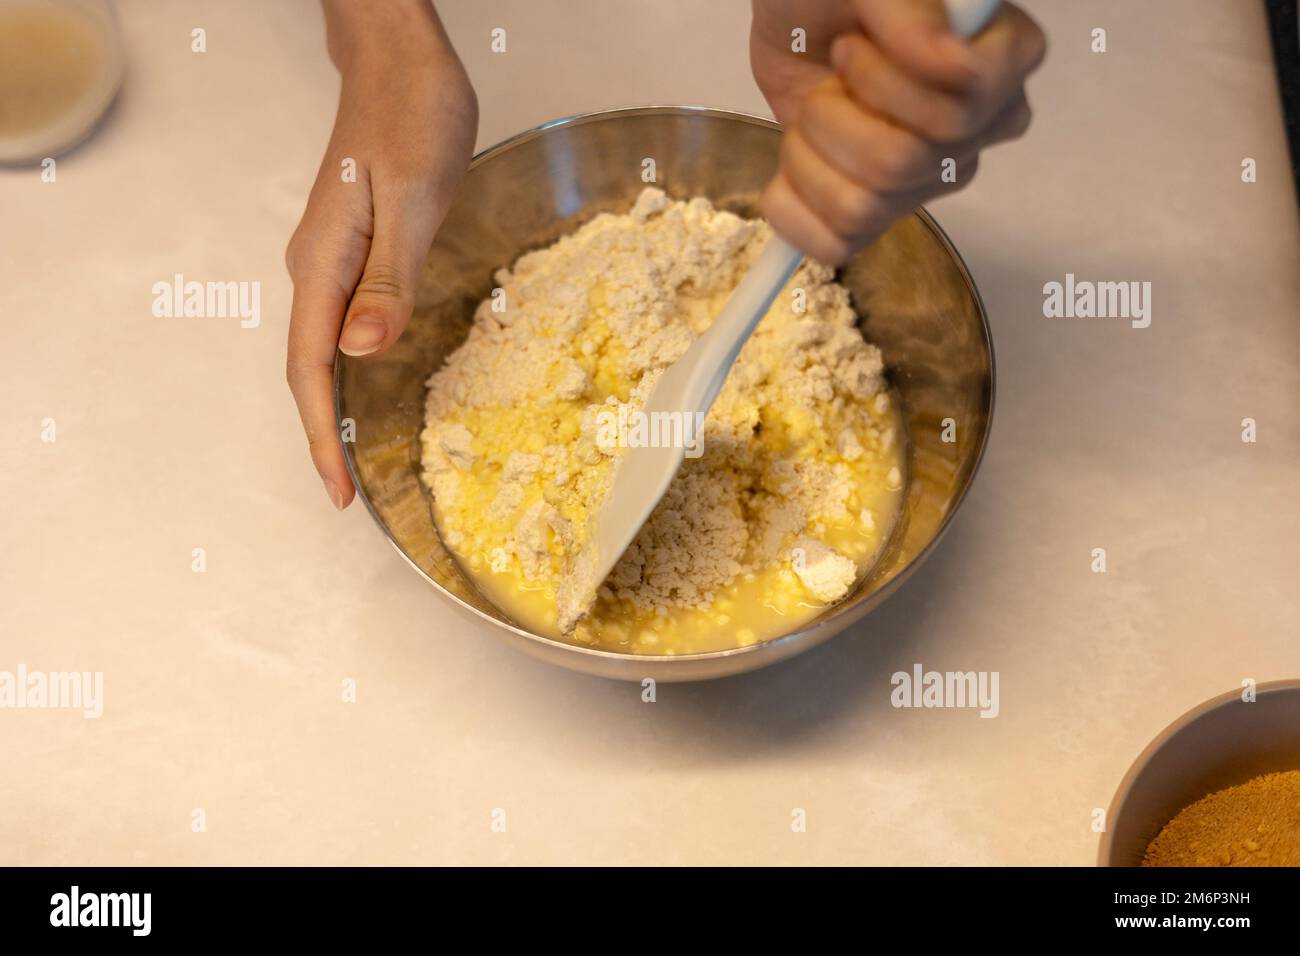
(1221, 743)
(911, 290)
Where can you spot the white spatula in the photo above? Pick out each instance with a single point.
(690, 385)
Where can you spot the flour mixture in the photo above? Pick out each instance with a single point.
(782, 507)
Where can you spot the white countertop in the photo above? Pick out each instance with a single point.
(222, 689)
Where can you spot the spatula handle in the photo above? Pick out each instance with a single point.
(967, 17)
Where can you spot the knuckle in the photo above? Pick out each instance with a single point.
(833, 252)
(955, 120)
(299, 376)
(383, 280)
(786, 151)
(894, 168)
(819, 98)
(315, 441)
(864, 79)
(816, 116)
(405, 180)
(1021, 120)
(854, 211)
(1035, 47)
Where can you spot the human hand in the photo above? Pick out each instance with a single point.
(881, 99)
(407, 120)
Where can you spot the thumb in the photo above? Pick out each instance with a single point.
(381, 304)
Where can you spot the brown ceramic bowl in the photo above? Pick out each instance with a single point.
(1221, 743)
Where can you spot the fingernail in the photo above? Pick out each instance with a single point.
(362, 335)
(332, 490)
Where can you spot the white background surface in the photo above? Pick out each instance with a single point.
(222, 690)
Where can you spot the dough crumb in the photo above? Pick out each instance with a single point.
(455, 441)
(825, 572)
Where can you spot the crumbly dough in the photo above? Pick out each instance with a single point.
(510, 447)
(823, 571)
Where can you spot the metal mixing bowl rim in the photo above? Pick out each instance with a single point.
(1177, 726)
(760, 646)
